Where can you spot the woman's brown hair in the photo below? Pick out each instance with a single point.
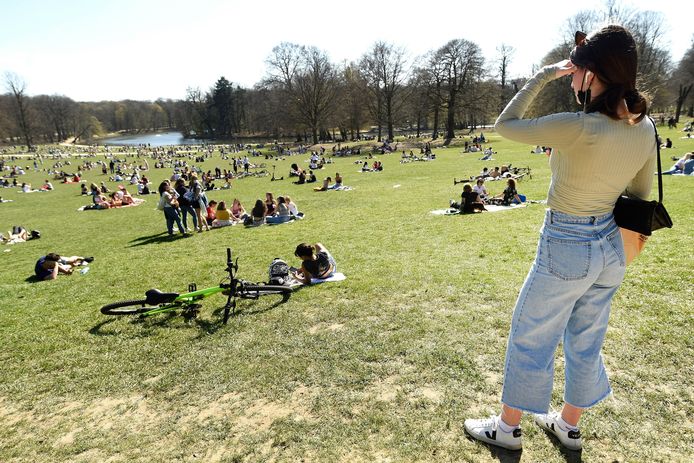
(610, 53)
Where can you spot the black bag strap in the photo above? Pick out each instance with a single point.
(660, 172)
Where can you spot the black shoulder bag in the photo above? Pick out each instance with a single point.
(643, 216)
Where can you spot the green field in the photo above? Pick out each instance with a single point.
(384, 366)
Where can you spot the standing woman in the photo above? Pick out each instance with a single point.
(170, 205)
(199, 201)
(185, 204)
(600, 152)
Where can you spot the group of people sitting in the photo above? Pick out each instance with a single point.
(100, 200)
(273, 211)
(219, 215)
(405, 158)
(684, 165)
(303, 177)
(474, 198)
(329, 185)
(376, 167)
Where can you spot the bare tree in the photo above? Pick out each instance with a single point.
(309, 81)
(462, 61)
(17, 87)
(435, 74)
(505, 53)
(353, 102)
(683, 81)
(385, 68)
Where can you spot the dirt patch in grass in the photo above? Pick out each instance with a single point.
(323, 327)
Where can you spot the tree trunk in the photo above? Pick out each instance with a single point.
(450, 121)
(435, 132)
(681, 98)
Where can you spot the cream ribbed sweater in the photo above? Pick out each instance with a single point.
(595, 158)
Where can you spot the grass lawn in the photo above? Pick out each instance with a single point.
(384, 366)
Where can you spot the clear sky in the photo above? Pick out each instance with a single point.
(95, 50)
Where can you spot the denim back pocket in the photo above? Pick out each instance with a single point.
(568, 259)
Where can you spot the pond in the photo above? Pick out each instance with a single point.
(153, 139)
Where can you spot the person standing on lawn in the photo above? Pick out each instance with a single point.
(599, 153)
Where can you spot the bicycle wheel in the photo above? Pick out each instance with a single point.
(255, 291)
(125, 308)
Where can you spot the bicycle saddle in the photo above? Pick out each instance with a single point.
(154, 297)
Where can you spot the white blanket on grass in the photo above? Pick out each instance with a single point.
(489, 207)
(335, 277)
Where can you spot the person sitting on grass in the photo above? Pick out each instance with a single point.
(115, 200)
(311, 177)
(83, 189)
(238, 213)
(678, 167)
(509, 195)
(302, 178)
(270, 204)
(469, 201)
(282, 215)
(295, 171)
(49, 266)
(338, 182)
(480, 189)
(222, 216)
(293, 208)
(211, 212)
(316, 262)
(325, 186)
(125, 197)
(258, 213)
(48, 186)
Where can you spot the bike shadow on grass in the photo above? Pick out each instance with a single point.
(209, 327)
(206, 326)
(162, 237)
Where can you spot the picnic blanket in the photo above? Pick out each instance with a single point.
(489, 207)
(136, 202)
(337, 276)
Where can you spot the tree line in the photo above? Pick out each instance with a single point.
(306, 96)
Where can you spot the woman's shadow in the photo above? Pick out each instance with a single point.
(162, 237)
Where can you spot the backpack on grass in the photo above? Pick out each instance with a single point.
(278, 272)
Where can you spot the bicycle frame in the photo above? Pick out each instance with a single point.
(185, 299)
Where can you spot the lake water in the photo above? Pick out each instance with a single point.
(153, 139)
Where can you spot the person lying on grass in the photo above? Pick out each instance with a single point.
(49, 266)
(316, 262)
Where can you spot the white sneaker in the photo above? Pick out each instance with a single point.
(488, 430)
(571, 439)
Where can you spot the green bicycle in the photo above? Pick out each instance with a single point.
(157, 302)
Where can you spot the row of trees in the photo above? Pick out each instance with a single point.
(305, 95)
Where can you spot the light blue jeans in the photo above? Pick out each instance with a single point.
(566, 297)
